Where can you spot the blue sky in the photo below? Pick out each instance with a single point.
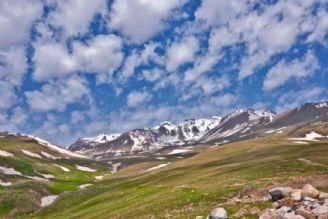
(76, 68)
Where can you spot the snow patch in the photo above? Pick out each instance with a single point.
(47, 176)
(160, 158)
(5, 154)
(99, 177)
(63, 168)
(48, 200)
(50, 156)
(86, 169)
(321, 105)
(83, 186)
(2, 183)
(300, 142)
(31, 154)
(55, 147)
(179, 151)
(312, 136)
(10, 171)
(115, 167)
(158, 166)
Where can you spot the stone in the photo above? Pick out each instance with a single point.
(279, 193)
(240, 213)
(323, 195)
(283, 210)
(268, 214)
(305, 213)
(286, 202)
(218, 213)
(309, 191)
(296, 195)
(292, 215)
(199, 217)
(254, 210)
(323, 216)
(321, 210)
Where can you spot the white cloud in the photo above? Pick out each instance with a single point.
(136, 98)
(53, 61)
(320, 24)
(201, 66)
(218, 12)
(74, 16)
(57, 95)
(293, 99)
(297, 68)
(139, 20)
(264, 33)
(142, 57)
(181, 52)
(14, 64)
(101, 54)
(16, 19)
(8, 96)
(152, 75)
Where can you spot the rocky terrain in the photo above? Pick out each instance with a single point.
(238, 125)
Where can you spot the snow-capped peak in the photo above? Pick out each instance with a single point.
(102, 138)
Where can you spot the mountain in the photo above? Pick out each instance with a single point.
(147, 139)
(237, 125)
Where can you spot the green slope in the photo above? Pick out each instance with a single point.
(24, 195)
(191, 187)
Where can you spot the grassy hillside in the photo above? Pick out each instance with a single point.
(28, 185)
(190, 187)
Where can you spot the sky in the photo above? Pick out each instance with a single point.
(77, 68)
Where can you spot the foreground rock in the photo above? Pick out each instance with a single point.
(218, 213)
(305, 203)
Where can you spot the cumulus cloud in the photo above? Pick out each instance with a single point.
(139, 20)
(297, 68)
(101, 54)
(181, 52)
(293, 98)
(56, 96)
(74, 16)
(16, 19)
(144, 56)
(14, 64)
(136, 98)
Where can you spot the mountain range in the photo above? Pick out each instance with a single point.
(237, 125)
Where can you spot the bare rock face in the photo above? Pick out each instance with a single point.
(307, 203)
(310, 191)
(279, 193)
(218, 213)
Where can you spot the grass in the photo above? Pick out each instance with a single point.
(193, 186)
(184, 189)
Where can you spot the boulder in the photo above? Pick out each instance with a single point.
(286, 202)
(279, 193)
(321, 210)
(296, 195)
(268, 214)
(218, 213)
(292, 215)
(305, 213)
(323, 195)
(310, 191)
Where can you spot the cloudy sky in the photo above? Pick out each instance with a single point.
(73, 68)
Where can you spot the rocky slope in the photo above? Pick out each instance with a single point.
(147, 139)
(239, 124)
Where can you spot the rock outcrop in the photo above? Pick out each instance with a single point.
(305, 203)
